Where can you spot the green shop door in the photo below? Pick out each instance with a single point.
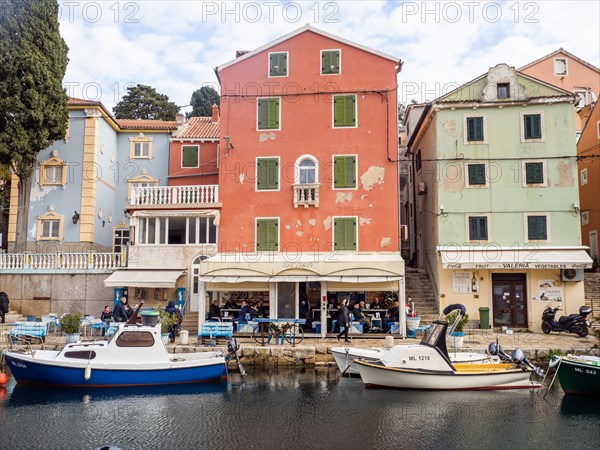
(510, 299)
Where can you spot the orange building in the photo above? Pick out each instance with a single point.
(567, 71)
(308, 175)
(194, 151)
(588, 149)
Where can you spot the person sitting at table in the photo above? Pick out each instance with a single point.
(245, 309)
(263, 310)
(107, 314)
(214, 312)
(360, 316)
(230, 304)
(253, 311)
(376, 304)
(393, 315)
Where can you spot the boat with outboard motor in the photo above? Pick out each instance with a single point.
(428, 366)
(134, 356)
(345, 356)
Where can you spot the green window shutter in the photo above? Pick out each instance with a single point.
(536, 228)
(266, 235)
(278, 64)
(344, 111)
(477, 174)
(330, 62)
(475, 129)
(533, 126)
(344, 172)
(478, 229)
(344, 233)
(267, 174)
(189, 157)
(534, 173)
(268, 113)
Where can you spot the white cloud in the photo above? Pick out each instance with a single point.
(174, 45)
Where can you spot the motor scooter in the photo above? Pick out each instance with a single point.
(573, 323)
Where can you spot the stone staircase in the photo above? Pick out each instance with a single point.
(190, 323)
(420, 290)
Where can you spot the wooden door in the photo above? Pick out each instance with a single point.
(509, 300)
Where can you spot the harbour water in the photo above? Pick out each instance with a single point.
(291, 408)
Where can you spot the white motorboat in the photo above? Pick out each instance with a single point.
(134, 356)
(428, 366)
(345, 356)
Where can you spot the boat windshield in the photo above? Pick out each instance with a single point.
(135, 339)
(433, 334)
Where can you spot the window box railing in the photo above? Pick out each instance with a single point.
(174, 195)
(306, 195)
(60, 261)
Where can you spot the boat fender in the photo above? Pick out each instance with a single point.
(88, 372)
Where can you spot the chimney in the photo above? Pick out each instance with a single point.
(215, 113)
(239, 53)
(180, 119)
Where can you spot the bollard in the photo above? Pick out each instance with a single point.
(389, 342)
(183, 337)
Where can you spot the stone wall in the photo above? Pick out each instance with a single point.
(40, 294)
(592, 295)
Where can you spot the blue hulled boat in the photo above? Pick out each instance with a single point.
(134, 356)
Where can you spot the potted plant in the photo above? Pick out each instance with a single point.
(458, 335)
(167, 320)
(71, 324)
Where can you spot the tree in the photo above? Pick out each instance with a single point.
(33, 103)
(202, 101)
(143, 102)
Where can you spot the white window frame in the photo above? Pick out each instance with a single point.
(142, 146)
(142, 238)
(278, 174)
(269, 66)
(321, 62)
(566, 63)
(584, 176)
(598, 129)
(140, 139)
(548, 227)
(581, 96)
(198, 159)
(542, 126)
(333, 111)
(585, 217)
(267, 130)
(256, 219)
(465, 129)
(333, 234)
(53, 217)
(355, 188)
(524, 173)
(487, 175)
(468, 228)
(298, 169)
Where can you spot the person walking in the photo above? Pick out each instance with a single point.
(343, 319)
(3, 306)
(120, 313)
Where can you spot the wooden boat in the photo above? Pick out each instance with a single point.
(578, 374)
(134, 356)
(345, 356)
(428, 366)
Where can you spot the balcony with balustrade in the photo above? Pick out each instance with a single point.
(175, 197)
(306, 195)
(60, 262)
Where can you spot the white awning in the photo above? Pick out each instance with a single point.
(529, 257)
(144, 278)
(299, 279)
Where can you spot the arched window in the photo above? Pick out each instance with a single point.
(306, 170)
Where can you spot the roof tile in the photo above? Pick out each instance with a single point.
(200, 128)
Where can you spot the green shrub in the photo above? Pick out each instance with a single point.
(71, 323)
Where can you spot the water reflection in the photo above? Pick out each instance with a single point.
(290, 408)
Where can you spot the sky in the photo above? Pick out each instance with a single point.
(174, 46)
